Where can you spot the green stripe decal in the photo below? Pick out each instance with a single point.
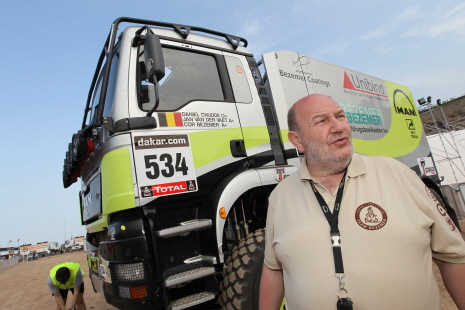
(284, 136)
(117, 183)
(255, 136)
(210, 145)
(98, 225)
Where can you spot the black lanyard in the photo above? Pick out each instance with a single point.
(333, 221)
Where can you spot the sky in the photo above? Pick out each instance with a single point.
(49, 50)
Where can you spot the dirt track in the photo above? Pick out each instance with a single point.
(24, 286)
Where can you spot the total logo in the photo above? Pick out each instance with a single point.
(280, 174)
(168, 188)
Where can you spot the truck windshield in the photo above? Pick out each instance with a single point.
(189, 76)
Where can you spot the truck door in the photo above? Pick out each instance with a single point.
(193, 146)
(252, 105)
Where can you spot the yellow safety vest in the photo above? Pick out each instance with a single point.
(73, 268)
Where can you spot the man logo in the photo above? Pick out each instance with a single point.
(112, 233)
(402, 103)
(410, 124)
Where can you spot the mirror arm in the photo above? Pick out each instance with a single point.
(157, 100)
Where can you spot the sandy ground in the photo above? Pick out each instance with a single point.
(24, 286)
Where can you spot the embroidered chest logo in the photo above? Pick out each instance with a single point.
(371, 216)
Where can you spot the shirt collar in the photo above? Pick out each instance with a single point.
(356, 168)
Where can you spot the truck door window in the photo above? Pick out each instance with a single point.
(111, 85)
(95, 99)
(188, 76)
(239, 81)
(110, 90)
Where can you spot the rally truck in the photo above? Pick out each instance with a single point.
(182, 141)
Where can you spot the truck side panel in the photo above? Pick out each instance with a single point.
(382, 114)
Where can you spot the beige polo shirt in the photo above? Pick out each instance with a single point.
(390, 224)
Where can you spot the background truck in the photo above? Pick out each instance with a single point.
(80, 241)
(181, 143)
(74, 244)
(40, 249)
(54, 248)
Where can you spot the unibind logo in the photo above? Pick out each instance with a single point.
(364, 84)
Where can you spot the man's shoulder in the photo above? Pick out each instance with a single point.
(292, 179)
(381, 161)
(288, 184)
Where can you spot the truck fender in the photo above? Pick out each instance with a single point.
(238, 185)
(230, 192)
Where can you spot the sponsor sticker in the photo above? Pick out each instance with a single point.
(152, 142)
(103, 271)
(280, 174)
(363, 83)
(164, 165)
(209, 120)
(168, 188)
(426, 166)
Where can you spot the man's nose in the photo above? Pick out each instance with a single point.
(337, 125)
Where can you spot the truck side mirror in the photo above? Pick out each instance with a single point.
(153, 57)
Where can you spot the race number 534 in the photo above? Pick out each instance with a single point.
(165, 165)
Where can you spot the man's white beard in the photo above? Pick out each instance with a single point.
(322, 158)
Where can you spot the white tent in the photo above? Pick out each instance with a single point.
(448, 149)
(449, 154)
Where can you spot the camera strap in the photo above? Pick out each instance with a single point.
(333, 222)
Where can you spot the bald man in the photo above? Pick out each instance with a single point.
(355, 229)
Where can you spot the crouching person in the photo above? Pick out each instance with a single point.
(67, 277)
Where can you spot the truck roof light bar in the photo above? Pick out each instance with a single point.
(185, 30)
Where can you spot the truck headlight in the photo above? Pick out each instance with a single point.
(133, 292)
(130, 272)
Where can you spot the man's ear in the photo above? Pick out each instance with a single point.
(295, 139)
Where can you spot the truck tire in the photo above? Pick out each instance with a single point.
(240, 287)
(79, 147)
